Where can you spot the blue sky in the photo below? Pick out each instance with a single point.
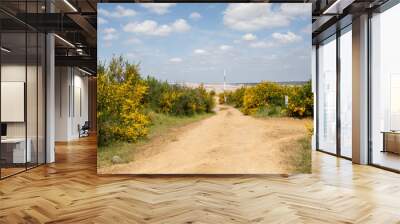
(189, 42)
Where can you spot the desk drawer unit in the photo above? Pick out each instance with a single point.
(13, 151)
(391, 142)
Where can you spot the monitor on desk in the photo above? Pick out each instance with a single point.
(3, 130)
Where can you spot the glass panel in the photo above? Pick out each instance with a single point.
(346, 93)
(41, 98)
(22, 88)
(31, 98)
(13, 86)
(385, 114)
(327, 96)
(313, 77)
(2, 160)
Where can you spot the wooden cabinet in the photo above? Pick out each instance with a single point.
(391, 142)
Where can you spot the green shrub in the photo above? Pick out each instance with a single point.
(221, 98)
(179, 100)
(235, 98)
(270, 111)
(212, 93)
(155, 93)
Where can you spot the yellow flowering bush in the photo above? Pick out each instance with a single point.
(120, 94)
(221, 97)
(262, 95)
(268, 99)
(301, 101)
(125, 100)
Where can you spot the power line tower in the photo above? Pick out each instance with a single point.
(224, 85)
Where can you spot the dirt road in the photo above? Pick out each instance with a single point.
(226, 143)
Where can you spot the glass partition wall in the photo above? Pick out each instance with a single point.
(385, 89)
(345, 61)
(22, 78)
(334, 90)
(327, 95)
(334, 104)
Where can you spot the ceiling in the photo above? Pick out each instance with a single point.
(73, 21)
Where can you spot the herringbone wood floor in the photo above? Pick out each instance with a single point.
(69, 191)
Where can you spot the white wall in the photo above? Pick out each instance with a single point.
(70, 83)
(62, 82)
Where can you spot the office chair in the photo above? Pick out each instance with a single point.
(84, 130)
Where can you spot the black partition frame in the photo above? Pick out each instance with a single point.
(339, 32)
(43, 119)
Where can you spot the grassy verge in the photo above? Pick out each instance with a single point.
(161, 123)
(297, 152)
(270, 111)
(301, 160)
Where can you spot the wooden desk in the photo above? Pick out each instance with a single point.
(391, 141)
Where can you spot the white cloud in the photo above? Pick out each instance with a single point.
(261, 44)
(119, 12)
(122, 12)
(110, 34)
(195, 16)
(133, 41)
(131, 55)
(200, 51)
(109, 30)
(285, 38)
(256, 16)
(151, 27)
(307, 29)
(175, 60)
(148, 27)
(101, 20)
(225, 47)
(253, 16)
(103, 12)
(271, 57)
(180, 25)
(296, 9)
(249, 37)
(107, 44)
(158, 8)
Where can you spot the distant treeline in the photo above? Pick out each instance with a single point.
(272, 99)
(125, 101)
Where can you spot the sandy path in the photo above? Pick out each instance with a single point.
(226, 143)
